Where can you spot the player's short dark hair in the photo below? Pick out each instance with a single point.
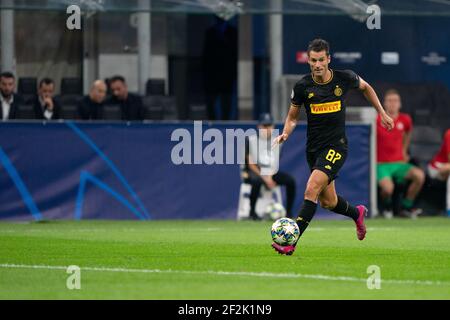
(391, 92)
(318, 45)
(117, 78)
(46, 81)
(7, 75)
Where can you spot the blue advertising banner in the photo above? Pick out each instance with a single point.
(404, 50)
(126, 171)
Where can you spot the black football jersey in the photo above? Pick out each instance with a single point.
(325, 107)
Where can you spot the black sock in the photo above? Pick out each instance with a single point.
(387, 204)
(344, 208)
(306, 214)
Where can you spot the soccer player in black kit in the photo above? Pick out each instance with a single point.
(323, 94)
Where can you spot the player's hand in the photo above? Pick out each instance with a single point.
(49, 103)
(387, 121)
(269, 182)
(279, 140)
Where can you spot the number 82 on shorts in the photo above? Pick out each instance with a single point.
(333, 156)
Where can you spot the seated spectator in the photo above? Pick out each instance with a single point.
(91, 106)
(392, 158)
(10, 101)
(257, 159)
(130, 104)
(45, 106)
(439, 167)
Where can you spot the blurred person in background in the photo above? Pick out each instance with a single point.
(9, 100)
(130, 104)
(439, 167)
(256, 159)
(91, 106)
(45, 106)
(220, 56)
(393, 159)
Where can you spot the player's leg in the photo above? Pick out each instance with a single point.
(256, 182)
(316, 183)
(386, 184)
(331, 163)
(326, 166)
(284, 179)
(330, 200)
(417, 178)
(387, 190)
(444, 171)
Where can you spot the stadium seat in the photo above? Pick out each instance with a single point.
(422, 117)
(197, 111)
(441, 123)
(69, 111)
(154, 108)
(69, 106)
(266, 197)
(425, 142)
(71, 99)
(425, 135)
(160, 108)
(423, 153)
(170, 111)
(25, 112)
(27, 88)
(71, 86)
(156, 87)
(112, 112)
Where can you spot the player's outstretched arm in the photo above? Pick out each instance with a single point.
(372, 97)
(289, 126)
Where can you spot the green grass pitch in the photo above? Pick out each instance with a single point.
(223, 260)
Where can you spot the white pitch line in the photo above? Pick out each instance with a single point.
(320, 229)
(312, 229)
(230, 273)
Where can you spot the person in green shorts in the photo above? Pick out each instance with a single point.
(396, 171)
(392, 158)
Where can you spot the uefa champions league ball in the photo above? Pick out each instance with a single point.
(285, 232)
(275, 211)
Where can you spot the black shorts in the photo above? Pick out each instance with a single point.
(328, 160)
